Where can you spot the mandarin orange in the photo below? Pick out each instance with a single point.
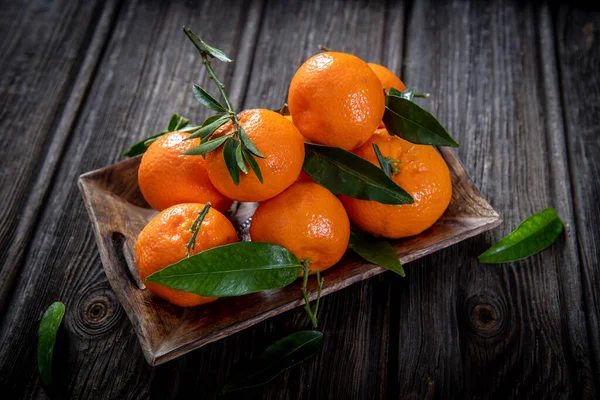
(166, 177)
(422, 172)
(281, 144)
(335, 99)
(308, 220)
(163, 242)
(388, 78)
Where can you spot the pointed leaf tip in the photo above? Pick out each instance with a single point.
(47, 332)
(533, 235)
(231, 270)
(343, 172)
(204, 48)
(413, 123)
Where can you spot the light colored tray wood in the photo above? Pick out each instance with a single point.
(118, 213)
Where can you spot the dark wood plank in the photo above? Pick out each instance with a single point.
(494, 331)
(578, 43)
(145, 75)
(46, 64)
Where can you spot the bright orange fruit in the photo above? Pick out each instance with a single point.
(163, 242)
(281, 144)
(388, 78)
(306, 219)
(166, 177)
(422, 172)
(336, 99)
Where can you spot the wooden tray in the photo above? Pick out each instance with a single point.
(118, 213)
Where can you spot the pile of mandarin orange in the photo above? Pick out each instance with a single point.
(335, 99)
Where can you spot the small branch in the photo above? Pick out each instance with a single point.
(320, 287)
(220, 85)
(422, 95)
(195, 228)
(312, 314)
(323, 48)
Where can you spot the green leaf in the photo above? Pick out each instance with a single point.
(377, 251)
(189, 128)
(346, 173)
(229, 154)
(239, 158)
(232, 270)
(176, 122)
(278, 357)
(203, 48)
(253, 164)
(195, 228)
(248, 143)
(532, 236)
(408, 94)
(141, 146)
(411, 122)
(206, 147)
(209, 127)
(383, 163)
(47, 331)
(207, 100)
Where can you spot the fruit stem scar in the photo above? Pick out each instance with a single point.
(312, 314)
(195, 228)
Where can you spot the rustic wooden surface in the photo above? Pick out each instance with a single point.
(517, 84)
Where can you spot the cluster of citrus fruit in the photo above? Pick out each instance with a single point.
(335, 99)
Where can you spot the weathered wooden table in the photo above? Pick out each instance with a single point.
(517, 84)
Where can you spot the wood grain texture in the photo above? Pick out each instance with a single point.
(45, 76)
(145, 75)
(578, 44)
(517, 85)
(492, 73)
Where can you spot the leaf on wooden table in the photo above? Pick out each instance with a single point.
(232, 270)
(411, 122)
(346, 173)
(377, 251)
(278, 357)
(532, 236)
(47, 331)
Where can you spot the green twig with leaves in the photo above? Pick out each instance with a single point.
(312, 313)
(238, 149)
(195, 228)
(387, 164)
